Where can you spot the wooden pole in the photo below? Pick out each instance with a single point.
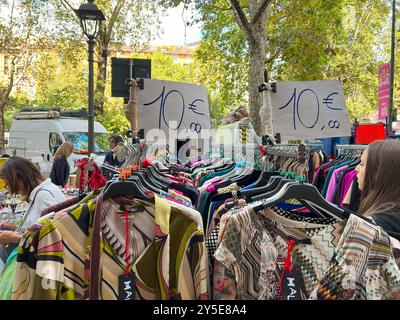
(131, 108)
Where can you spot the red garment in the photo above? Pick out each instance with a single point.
(146, 163)
(96, 178)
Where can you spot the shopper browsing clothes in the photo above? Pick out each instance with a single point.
(23, 178)
(60, 170)
(378, 177)
(111, 157)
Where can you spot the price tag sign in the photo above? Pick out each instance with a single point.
(309, 110)
(173, 106)
(175, 113)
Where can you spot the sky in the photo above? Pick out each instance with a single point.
(173, 30)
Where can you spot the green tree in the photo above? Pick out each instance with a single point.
(331, 40)
(251, 17)
(128, 22)
(61, 79)
(306, 40)
(20, 39)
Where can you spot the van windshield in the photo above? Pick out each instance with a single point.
(80, 141)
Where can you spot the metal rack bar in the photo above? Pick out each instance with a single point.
(357, 148)
(352, 146)
(289, 151)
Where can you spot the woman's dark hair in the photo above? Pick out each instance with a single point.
(381, 190)
(116, 139)
(19, 173)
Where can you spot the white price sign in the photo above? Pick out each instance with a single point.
(173, 107)
(310, 109)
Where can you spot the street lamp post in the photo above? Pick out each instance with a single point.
(90, 18)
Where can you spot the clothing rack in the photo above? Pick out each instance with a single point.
(298, 152)
(314, 146)
(350, 147)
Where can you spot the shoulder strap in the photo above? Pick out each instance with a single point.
(33, 201)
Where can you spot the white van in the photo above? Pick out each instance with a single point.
(36, 135)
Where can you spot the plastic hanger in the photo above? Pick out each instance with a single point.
(264, 178)
(306, 192)
(271, 189)
(126, 188)
(147, 183)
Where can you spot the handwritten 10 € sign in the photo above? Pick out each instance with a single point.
(310, 109)
(173, 106)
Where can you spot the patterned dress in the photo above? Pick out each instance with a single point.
(166, 253)
(348, 260)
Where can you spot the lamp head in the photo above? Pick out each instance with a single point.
(90, 18)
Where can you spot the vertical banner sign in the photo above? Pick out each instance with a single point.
(384, 91)
(310, 109)
(179, 111)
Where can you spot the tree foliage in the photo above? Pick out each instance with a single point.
(307, 40)
(128, 22)
(21, 36)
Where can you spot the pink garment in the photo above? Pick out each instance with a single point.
(199, 163)
(211, 187)
(209, 182)
(172, 179)
(179, 180)
(173, 200)
(330, 192)
(346, 183)
(315, 178)
(178, 192)
(301, 210)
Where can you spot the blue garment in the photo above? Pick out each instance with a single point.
(249, 187)
(289, 206)
(110, 160)
(213, 207)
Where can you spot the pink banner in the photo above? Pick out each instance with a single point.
(384, 91)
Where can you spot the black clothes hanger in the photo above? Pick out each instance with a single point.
(126, 188)
(157, 176)
(147, 183)
(306, 192)
(264, 178)
(248, 178)
(223, 184)
(271, 189)
(229, 166)
(279, 187)
(272, 184)
(154, 180)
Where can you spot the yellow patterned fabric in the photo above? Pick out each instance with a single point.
(166, 253)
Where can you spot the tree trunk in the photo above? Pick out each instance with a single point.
(257, 59)
(2, 147)
(257, 62)
(101, 73)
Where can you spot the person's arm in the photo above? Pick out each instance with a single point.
(108, 157)
(7, 237)
(107, 160)
(65, 172)
(58, 173)
(5, 225)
